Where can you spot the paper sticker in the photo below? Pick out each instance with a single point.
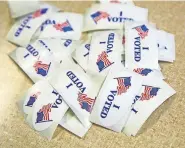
(141, 46)
(114, 101)
(20, 8)
(77, 88)
(63, 25)
(106, 49)
(22, 31)
(153, 93)
(81, 54)
(44, 116)
(112, 16)
(37, 64)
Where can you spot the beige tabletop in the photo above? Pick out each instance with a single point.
(164, 129)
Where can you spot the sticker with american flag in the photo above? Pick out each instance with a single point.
(149, 92)
(85, 102)
(64, 27)
(103, 61)
(142, 31)
(99, 15)
(41, 68)
(43, 114)
(124, 84)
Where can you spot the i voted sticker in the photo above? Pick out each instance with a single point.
(112, 16)
(46, 110)
(141, 46)
(115, 99)
(76, 87)
(33, 95)
(106, 47)
(152, 94)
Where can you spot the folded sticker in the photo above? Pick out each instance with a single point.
(112, 16)
(30, 97)
(153, 93)
(114, 101)
(63, 25)
(81, 54)
(77, 88)
(166, 45)
(59, 48)
(47, 111)
(20, 8)
(22, 31)
(141, 46)
(36, 63)
(73, 124)
(106, 50)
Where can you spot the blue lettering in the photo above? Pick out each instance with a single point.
(22, 26)
(120, 18)
(116, 106)
(137, 49)
(32, 50)
(67, 42)
(87, 46)
(75, 81)
(105, 109)
(108, 103)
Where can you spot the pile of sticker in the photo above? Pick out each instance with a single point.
(111, 78)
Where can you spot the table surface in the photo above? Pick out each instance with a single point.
(164, 129)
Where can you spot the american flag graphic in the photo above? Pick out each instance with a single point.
(123, 84)
(32, 99)
(103, 61)
(46, 109)
(142, 31)
(149, 92)
(40, 12)
(41, 68)
(142, 71)
(85, 102)
(99, 15)
(65, 27)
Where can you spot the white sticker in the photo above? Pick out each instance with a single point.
(20, 8)
(81, 54)
(106, 49)
(32, 95)
(141, 46)
(114, 101)
(59, 48)
(112, 16)
(36, 63)
(22, 31)
(77, 88)
(45, 116)
(153, 93)
(63, 25)
(166, 45)
(73, 124)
